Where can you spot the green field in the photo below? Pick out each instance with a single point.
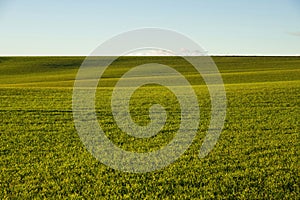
(256, 157)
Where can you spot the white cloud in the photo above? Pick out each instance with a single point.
(161, 52)
(294, 33)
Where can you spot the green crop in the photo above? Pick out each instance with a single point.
(256, 157)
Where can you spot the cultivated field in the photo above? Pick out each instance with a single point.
(256, 157)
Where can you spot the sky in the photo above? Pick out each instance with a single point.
(221, 27)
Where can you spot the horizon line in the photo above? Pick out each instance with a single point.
(81, 55)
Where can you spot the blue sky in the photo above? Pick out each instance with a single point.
(65, 27)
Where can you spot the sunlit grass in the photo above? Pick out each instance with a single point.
(256, 156)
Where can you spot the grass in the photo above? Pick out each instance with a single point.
(256, 157)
